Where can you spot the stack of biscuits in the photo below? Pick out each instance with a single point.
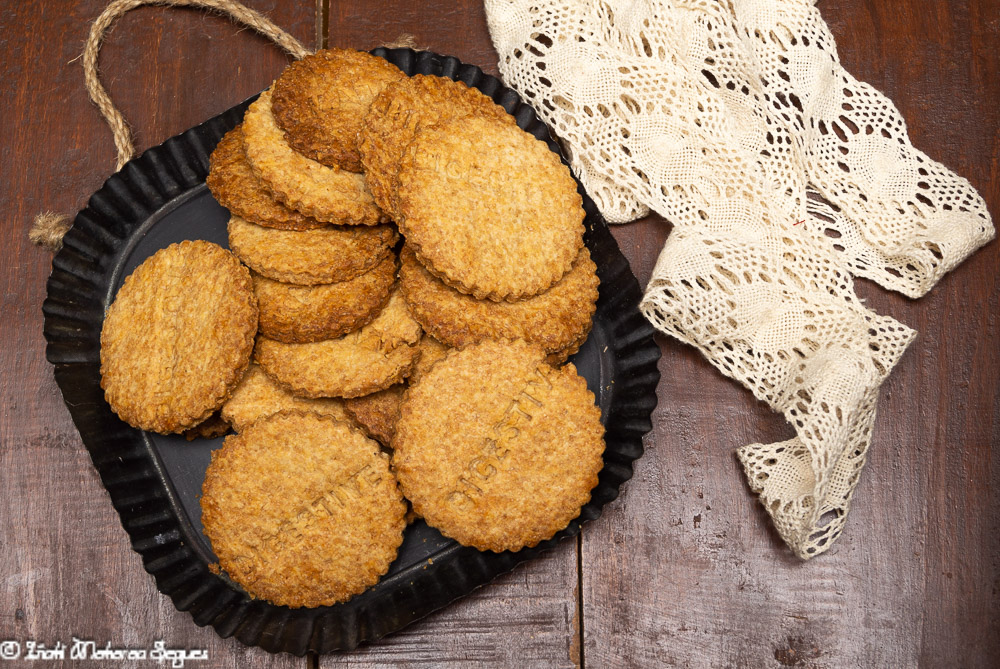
(407, 274)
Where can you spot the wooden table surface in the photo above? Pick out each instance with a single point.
(683, 569)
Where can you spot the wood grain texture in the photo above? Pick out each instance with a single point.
(524, 619)
(686, 570)
(452, 28)
(67, 567)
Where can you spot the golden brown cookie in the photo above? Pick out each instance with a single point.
(210, 428)
(559, 357)
(554, 319)
(377, 413)
(238, 189)
(324, 193)
(298, 314)
(302, 510)
(307, 257)
(489, 209)
(321, 100)
(497, 449)
(178, 336)
(258, 396)
(401, 110)
(431, 350)
(367, 360)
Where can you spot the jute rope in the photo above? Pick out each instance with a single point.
(49, 227)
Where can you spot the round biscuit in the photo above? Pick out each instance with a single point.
(307, 257)
(237, 188)
(258, 396)
(298, 314)
(360, 363)
(177, 337)
(398, 112)
(497, 449)
(321, 100)
(553, 319)
(302, 510)
(489, 209)
(324, 193)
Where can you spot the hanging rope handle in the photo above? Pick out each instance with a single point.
(49, 227)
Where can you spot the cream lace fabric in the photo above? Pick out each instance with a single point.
(783, 176)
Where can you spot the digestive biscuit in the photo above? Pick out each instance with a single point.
(321, 100)
(302, 510)
(489, 209)
(297, 314)
(177, 337)
(554, 319)
(324, 193)
(237, 188)
(497, 449)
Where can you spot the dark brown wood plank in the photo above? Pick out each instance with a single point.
(67, 568)
(685, 569)
(451, 28)
(526, 618)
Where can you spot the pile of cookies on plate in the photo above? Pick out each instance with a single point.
(407, 277)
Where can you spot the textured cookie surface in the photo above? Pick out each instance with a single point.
(237, 188)
(497, 449)
(489, 209)
(367, 360)
(402, 109)
(177, 337)
(210, 428)
(377, 413)
(321, 100)
(554, 319)
(306, 257)
(302, 510)
(297, 314)
(431, 351)
(258, 396)
(324, 193)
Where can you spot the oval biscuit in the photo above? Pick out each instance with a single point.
(554, 319)
(237, 188)
(177, 337)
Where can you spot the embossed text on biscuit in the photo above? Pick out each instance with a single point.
(495, 447)
(330, 503)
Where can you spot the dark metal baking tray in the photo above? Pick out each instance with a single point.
(155, 480)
